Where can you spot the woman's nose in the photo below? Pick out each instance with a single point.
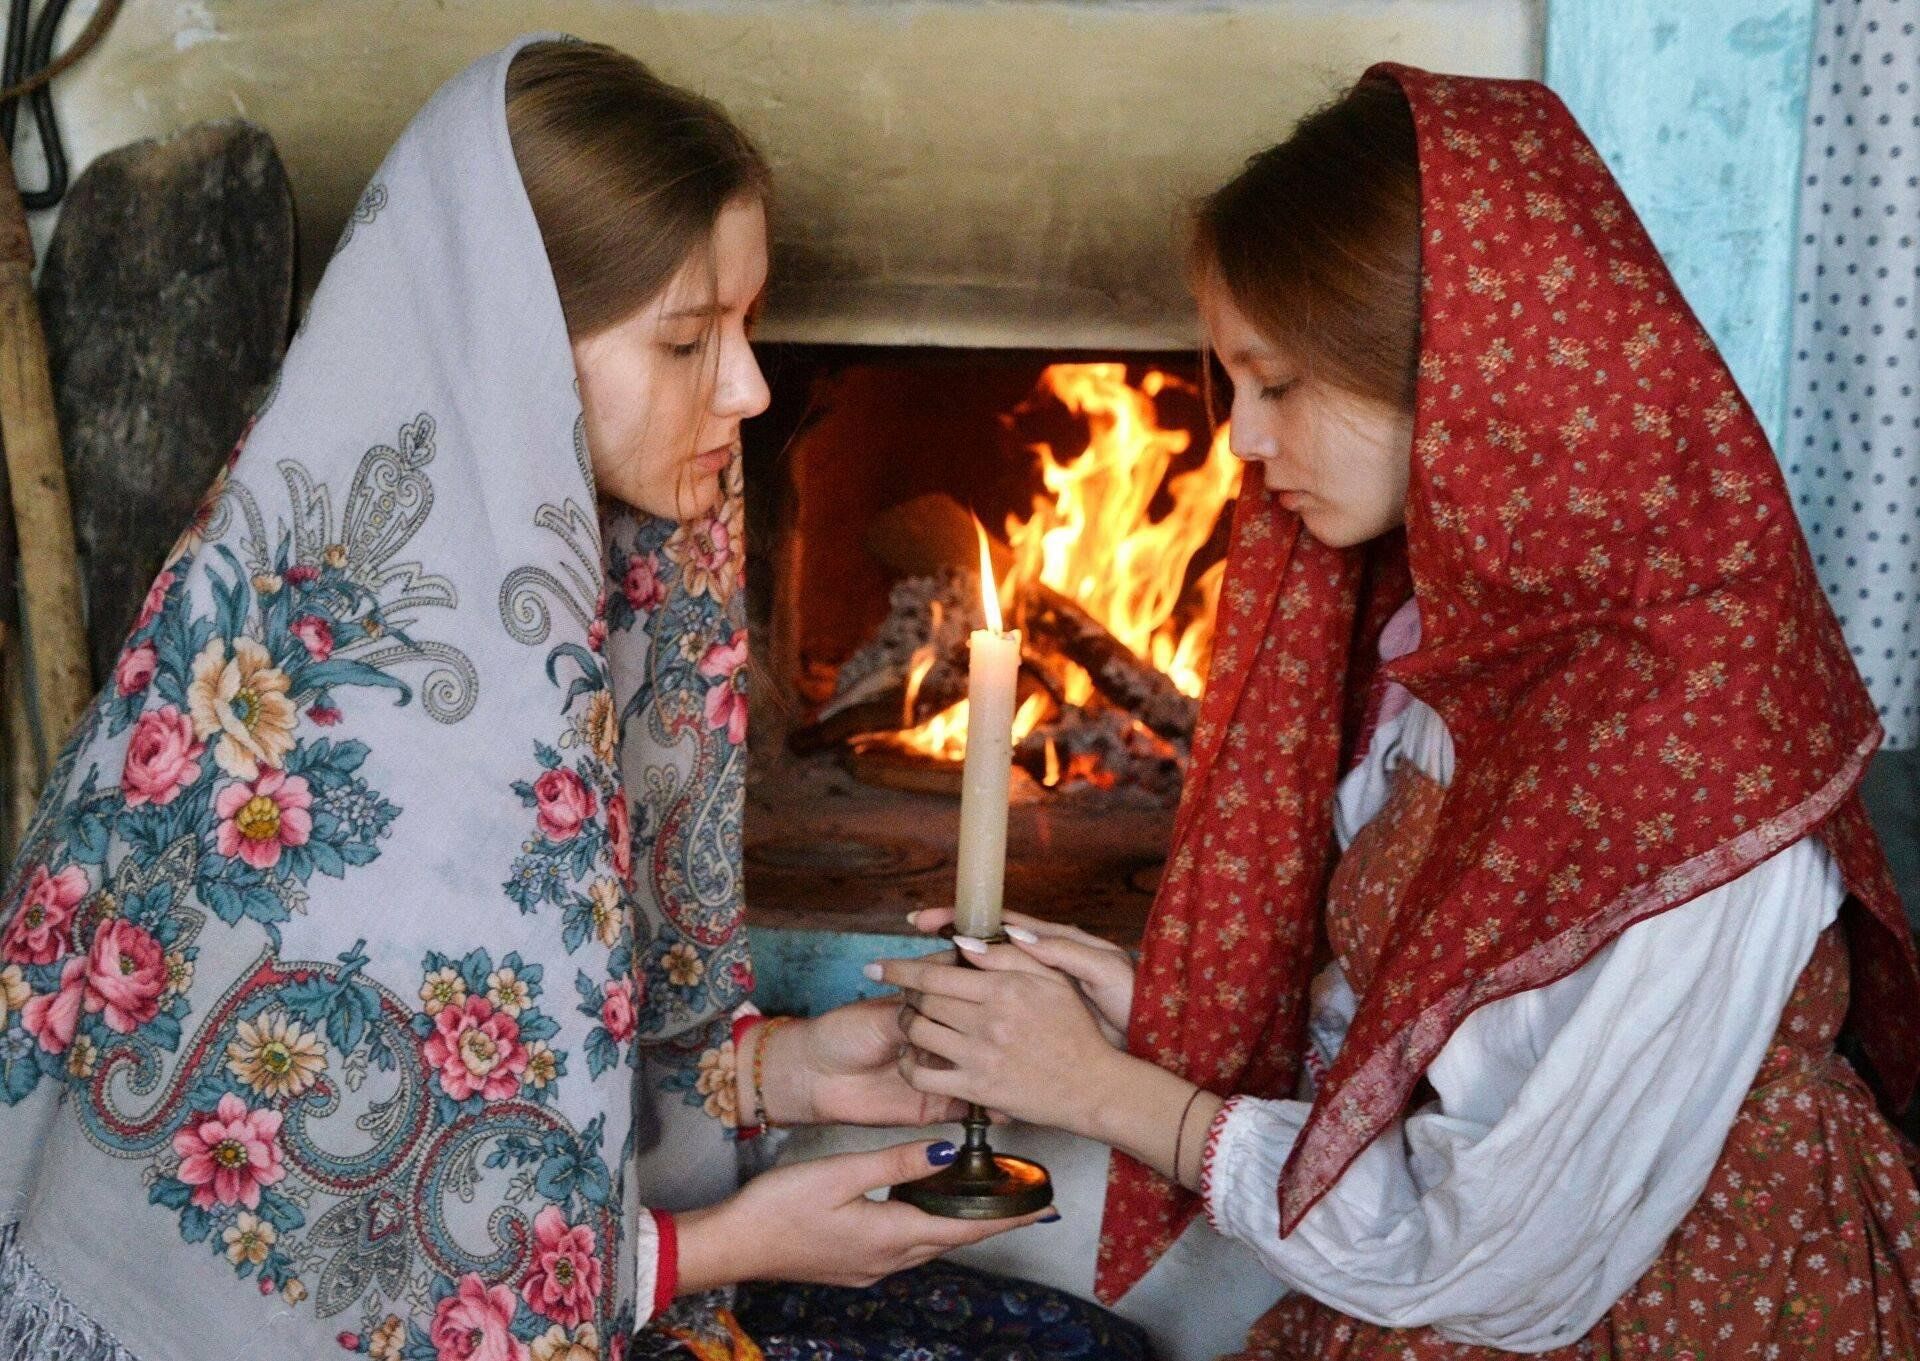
(741, 393)
(1249, 437)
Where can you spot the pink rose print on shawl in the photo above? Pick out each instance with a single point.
(258, 819)
(53, 1018)
(136, 669)
(472, 1324)
(566, 1274)
(620, 837)
(597, 630)
(476, 1049)
(618, 1013)
(42, 930)
(126, 973)
(316, 634)
(565, 804)
(726, 663)
(163, 758)
(156, 597)
(642, 584)
(229, 1156)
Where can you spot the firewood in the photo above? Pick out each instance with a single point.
(933, 532)
(1117, 674)
(922, 536)
(884, 712)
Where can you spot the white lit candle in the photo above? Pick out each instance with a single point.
(993, 674)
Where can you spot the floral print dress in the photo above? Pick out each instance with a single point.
(1805, 1241)
(368, 965)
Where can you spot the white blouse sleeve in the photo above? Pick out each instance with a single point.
(1576, 1126)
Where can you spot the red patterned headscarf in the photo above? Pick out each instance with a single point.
(1647, 692)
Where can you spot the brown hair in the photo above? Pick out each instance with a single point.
(626, 174)
(1317, 240)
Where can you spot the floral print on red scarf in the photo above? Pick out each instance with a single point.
(1647, 691)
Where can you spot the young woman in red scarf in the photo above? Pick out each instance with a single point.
(1520, 892)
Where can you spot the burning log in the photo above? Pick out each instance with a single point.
(1122, 678)
(883, 708)
(933, 533)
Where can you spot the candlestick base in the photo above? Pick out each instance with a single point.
(981, 1184)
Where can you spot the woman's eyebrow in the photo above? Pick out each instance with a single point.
(709, 309)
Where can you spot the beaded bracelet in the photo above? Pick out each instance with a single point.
(761, 1119)
(728, 1072)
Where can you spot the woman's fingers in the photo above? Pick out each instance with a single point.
(1096, 966)
(1046, 930)
(936, 1038)
(947, 1011)
(932, 1235)
(855, 1174)
(949, 1234)
(1014, 959)
(921, 1077)
(932, 919)
(919, 975)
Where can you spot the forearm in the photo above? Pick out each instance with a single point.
(712, 1250)
(1152, 1115)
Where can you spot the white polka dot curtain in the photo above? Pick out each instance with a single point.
(1852, 439)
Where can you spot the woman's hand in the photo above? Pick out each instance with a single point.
(1012, 1034)
(840, 1068)
(812, 1221)
(1103, 971)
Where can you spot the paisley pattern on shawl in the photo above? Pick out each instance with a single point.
(677, 622)
(324, 972)
(1647, 691)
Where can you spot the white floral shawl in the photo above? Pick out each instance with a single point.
(323, 997)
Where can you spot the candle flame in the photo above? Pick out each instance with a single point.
(989, 588)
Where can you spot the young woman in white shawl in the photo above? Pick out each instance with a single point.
(372, 977)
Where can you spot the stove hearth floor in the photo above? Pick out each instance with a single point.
(827, 853)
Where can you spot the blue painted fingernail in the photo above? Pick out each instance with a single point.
(1050, 1217)
(942, 1153)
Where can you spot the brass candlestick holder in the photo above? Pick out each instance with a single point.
(979, 1184)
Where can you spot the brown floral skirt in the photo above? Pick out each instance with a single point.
(1805, 1243)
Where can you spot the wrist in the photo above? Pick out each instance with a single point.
(746, 1041)
(1153, 1116)
(1122, 1089)
(711, 1252)
(784, 1073)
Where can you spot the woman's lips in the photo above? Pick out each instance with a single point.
(714, 460)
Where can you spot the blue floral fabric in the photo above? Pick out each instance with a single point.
(938, 1312)
(396, 865)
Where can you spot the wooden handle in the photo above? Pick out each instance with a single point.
(43, 517)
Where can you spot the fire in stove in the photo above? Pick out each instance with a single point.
(1112, 576)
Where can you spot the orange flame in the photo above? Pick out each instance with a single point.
(944, 736)
(1095, 537)
(1097, 540)
(989, 588)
